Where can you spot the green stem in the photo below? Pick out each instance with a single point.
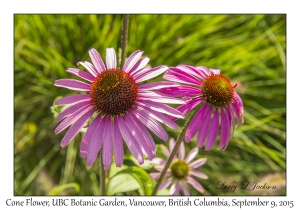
(180, 138)
(102, 175)
(124, 38)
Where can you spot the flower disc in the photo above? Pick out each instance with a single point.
(180, 169)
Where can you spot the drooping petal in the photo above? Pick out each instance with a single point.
(117, 144)
(185, 189)
(72, 84)
(165, 184)
(195, 184)
(97, 60)
(182, 91)
(177, 75)
(75, 128)
(130, 140)
(107, 143)
(156, 175)
(161, 108)
(159, 117)
(198, 163)
(171, 144)
(151, 73)
(158, 161)
(86, 140)
(203, 130)
(71, 118)
(175, 188)
(213, 131)
(72, 99)
(165, 150)
(157, 85)
(111, 60)
(81, 74)
(195, 123)
(96, 143)
(185, 108)
(159, 97)
(151, 124)
(225, 130)
(192, 154)
(71, 109)
(198, 174)
(132, 60)
(181, 151)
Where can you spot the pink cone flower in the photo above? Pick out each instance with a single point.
(216, 94)
(181, 170)
(123, 109)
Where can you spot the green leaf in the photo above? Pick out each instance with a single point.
(122, 183)
(60, 188)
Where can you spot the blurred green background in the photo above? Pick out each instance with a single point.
(249, 50)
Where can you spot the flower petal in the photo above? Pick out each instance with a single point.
(171, 144)
(191, 70)
(225, 130)
(192, 154)
(198, 174)
(190, 105)
(151, 73)
(111, 60)
(198, 163)
(185, 189)
(130, 140)
(97, 60)
(161, 108)
(72, 99)
(157, 85)
(88, 66)
(165, 184)
(75, 128)
(84, 145)
(175, 188)
(131, 61)
(71, 109)
(159, 97)
(72, 84)
(141, 64)
(203, 130)
(177, 75)
(117, 144)
(158, 161)
(165, 150)
(204, 69)
(107, 143)
(81, 74)
(96, 143)
(213, 131)
(195, 184)
(181, 151)
(182, 91)
(195, 124)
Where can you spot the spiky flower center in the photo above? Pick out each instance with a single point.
(113, 92)
(218, 90)
(180, 169)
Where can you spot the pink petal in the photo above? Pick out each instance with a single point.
(225, 130)
(117, 144)
(157, 85)
(191, 70)
(161, 108)
(171, 144)
(158, 161)
(107, 143)
(111, 60)
(198, 174)
(131, 61)
(88, 137)
(134, 72)
(177, 75)
(81, 74)
(97, 60)
(165, 184)
(88, 66)
(182, 91)
(215, 71)
(175, 188)
(130, 140)
(71, 118)
(195, 123)
(96, 143)
(71, 109)
(72, 84)
(159, 97)
(165, 150)
(185, 189)
(204, 69)
(151, 73)
(195, 184)
(151, 124)
(72, 99)
(181, 151)
(76, 127)
(156, 175)
(213, 131)
(198, 163)
(192, 154)
(190, 105)
(203, 130)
